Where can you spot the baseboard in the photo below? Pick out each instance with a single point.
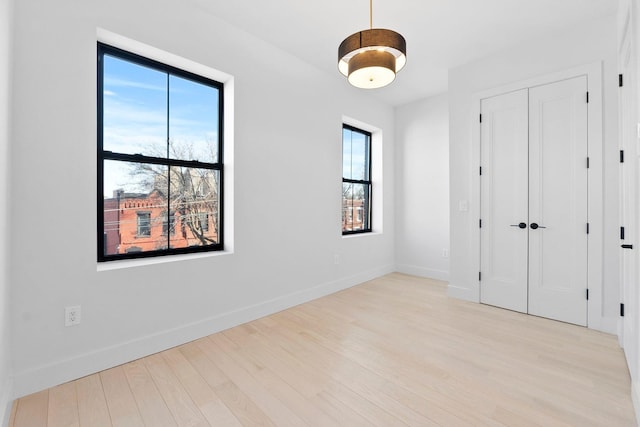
(429, 273)
(6, 402)
(463, 293)
(635, 397)
(42, 377)
(607, 325)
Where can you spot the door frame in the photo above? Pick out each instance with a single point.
(593, 72)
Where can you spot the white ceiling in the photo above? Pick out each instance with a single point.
(440, 34)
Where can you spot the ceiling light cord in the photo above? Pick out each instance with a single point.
(371, 14)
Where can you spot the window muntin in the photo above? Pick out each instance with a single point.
(159, 151)
(356, 180)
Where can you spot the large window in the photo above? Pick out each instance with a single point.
(160, 164)
(356, 180)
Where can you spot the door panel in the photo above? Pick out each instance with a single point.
(629, 185)
(504, 201)
(558, 200)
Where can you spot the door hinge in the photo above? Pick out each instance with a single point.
(621, 233)
(480, 223)
(621, 310)
(620, 80)
(480, 170)
(621, 156)
(480, 117)
(587, 228)
(587, 97)
(587, 163)
(480, 276)
(587, 294)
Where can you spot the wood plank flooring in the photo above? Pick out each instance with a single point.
(395, 351)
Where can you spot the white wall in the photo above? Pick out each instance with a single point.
(586, 44)
(287, 183)
(422, 187)
(6, 12)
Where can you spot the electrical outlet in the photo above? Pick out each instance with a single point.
(72, 315)
(336, 259)
(445, 253)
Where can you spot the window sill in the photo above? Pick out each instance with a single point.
(143, 262)
(355, 235)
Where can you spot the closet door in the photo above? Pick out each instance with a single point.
(503, 205)
(629, 187)
(558, 200)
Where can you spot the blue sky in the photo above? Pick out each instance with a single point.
(353, 155)
(135, 118)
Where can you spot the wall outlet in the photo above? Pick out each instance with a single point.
(336, 259)
(445, 253)
(72, 315)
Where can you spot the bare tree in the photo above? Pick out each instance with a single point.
(191, 194)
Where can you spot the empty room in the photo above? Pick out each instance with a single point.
(288, 213)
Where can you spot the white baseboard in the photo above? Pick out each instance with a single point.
(6, 401)
(61, 371)
(429, 273)
(635, 397)
(607, 325)
(463, 293)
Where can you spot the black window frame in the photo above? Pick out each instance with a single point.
(102, 155)
(368, 198)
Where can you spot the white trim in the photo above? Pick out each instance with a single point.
(130, 263)
(58, 372)
(429, 273)
(463, 293)
(6, 402)
(142, 49)
(594, 71)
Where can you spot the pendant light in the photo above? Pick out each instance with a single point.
(371, 58)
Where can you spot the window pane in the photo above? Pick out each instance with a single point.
(355, 155)
(134, 207)
(194, 199)
(193, 120)
(346, 153)
(135, 108)
(356, 207)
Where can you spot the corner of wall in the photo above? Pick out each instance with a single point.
(6, 402)
(6, 49)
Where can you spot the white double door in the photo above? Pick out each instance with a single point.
(533, 232)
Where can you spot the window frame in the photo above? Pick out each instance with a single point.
(102, 155)
(368, 182)
(140, 215)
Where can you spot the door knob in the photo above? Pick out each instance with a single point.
(535, 226)
(521, 225)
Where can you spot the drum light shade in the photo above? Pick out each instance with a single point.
(371, 58)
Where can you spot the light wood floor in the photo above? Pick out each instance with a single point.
(394, 351)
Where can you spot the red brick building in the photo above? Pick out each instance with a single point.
(142, 222)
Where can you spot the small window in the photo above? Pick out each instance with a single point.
(160, 168)
(144, 224)
(356, 180)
